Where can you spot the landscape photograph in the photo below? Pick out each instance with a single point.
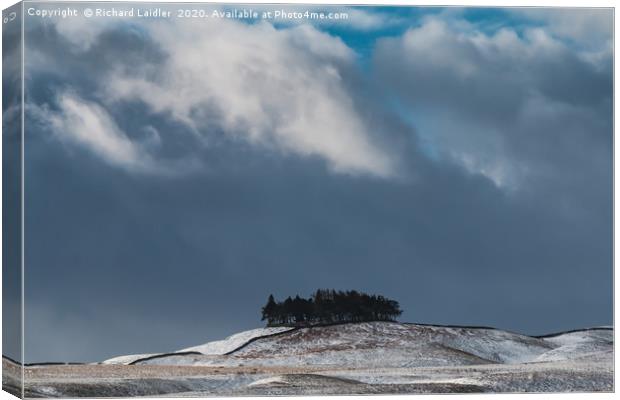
(208, 200)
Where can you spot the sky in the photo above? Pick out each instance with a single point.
(179, 171)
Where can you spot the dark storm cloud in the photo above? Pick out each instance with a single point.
(201, 254)
(121, 261)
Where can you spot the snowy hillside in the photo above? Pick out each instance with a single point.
(383, 344)
(218, 347)
(124, 360)
(387, 345)
(573, 345)
(235, 341)
(354, 358)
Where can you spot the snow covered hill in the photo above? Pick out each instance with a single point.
(386, 345)
(354, 358)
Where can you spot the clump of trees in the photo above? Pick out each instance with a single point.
(327, 306)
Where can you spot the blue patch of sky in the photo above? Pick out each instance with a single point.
(397, 20)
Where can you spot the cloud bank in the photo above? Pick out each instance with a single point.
(281, 90)
(497, 103)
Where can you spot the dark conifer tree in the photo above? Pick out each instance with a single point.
(269, 311)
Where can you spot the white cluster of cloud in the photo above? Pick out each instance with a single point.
(488, 100)
(281, 89)
(364, 20)
(89, 125)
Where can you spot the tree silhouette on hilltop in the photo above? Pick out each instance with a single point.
(327, 306)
